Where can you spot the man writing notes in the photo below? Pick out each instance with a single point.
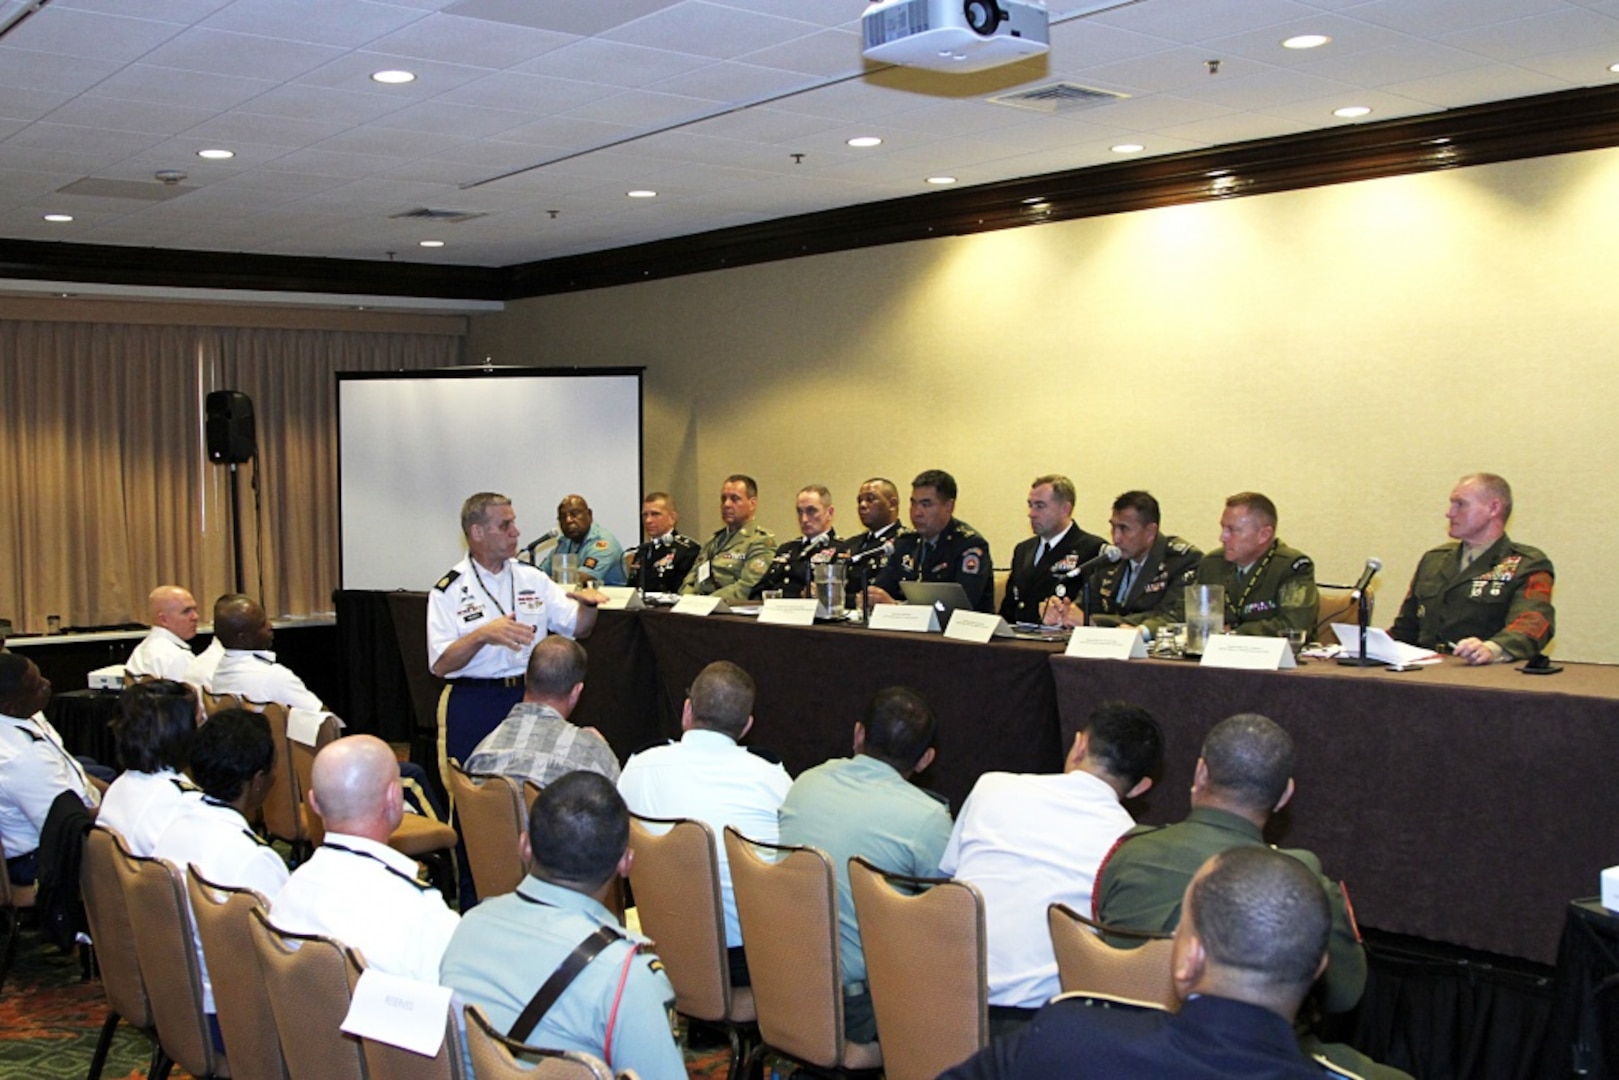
(1484, 597)
(1057, 548)
(737, 556)
(941, 549)
(483, 619)
(1269, 587)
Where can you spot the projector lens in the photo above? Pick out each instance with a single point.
(983, 16)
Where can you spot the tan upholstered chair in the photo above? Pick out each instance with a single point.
(240, 998)
(1088, 965)
(927, 956)
(309, 980)
(492, 820)
(283, 805)
(384, 1062)
(531, 791)
(13, 900)
(495, 1057)
(675, 876)
(1338, 605)
(114, 942)
(789, 914)
(165, 945)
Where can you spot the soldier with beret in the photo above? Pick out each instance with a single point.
(790, 571)
(941, 549)
(737, 556)
(1269, 587)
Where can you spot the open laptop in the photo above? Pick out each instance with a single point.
(944, 596)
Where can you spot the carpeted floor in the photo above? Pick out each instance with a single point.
(50, 1020)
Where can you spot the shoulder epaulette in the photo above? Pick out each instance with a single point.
(447, 580)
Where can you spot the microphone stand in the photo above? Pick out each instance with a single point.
(1363, 616)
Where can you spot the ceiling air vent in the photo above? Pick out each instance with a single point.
(1058, 97)
(449, 217)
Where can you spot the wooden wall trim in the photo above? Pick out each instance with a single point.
(256, 316)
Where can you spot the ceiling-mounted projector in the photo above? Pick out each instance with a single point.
(954, 35)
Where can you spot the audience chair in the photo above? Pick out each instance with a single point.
(675, 876)
(113, 938)
(789, 914)
(283, 805)
(165, 945)
(927, 957)
(309, 980)
(221, 915)
(14, 900)
(385, 1062)
(1087, 964)
(496, 1057)
(531, 791)
(492, 821)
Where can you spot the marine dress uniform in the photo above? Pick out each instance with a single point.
(1504, 596)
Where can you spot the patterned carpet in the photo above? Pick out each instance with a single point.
(50, 1020)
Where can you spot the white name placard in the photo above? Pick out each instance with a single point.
(912, 618)
(400, 1012)
(976, 626)
(1252, 653)
(620, 598)
(783, 612)
(1106, 643)
(700, 605)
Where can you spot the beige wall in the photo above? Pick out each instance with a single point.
(1348, 350)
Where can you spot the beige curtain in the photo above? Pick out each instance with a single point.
(105, 487)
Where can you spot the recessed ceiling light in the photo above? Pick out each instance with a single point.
(393, 77)
(1306, 41)
(216, 155)
(863, 141)
(941, 180)
(1128, 148)
(1613, 67)
(431, 243)
(1351, 112)
(58, 217)
(642, 193)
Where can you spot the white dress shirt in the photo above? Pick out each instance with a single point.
(161, 654)
(34, 770)
(140, 805)
(255, 675)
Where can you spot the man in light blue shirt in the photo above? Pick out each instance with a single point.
(600, 556)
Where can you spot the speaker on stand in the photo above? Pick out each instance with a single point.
(231, 440)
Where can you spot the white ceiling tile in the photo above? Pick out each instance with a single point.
(349, 23)
(454, 40)
(1349, 37)
(1087, 42)
(564, 132)
(1410, 58)
(336, 109)
(121, 114)
(706, 29)
(176, 11)
(284, 131)
(332, 163)
(1537, 35)
(1433, 18)
(168, 86)
(562, 16)
(90, 36)
(642, 109)
(353, 71)
(247, 55)
(442, 118)
(1579, 67)
(1267, 88)
(1318, 112)
(18, 104)
(38, 72)
(535, 95)
(1196, 20)
(733, 82)
(822, 12)
(1477, 86)
(1178, 69)
(766, 125)
(1232, 127)
(829, 52)
(611, 63)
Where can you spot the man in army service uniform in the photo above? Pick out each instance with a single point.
(1269, 587)
(1483, 597)
(667, 556)
(941, 549)
(737, 556)
(795, 560)
(1147, 586)
(1058, 546)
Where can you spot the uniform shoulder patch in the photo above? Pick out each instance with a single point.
(1178, 546)
(601, 545)
(1302, 563)
(447, 580)
(970, 562)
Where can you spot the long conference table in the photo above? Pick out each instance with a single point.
(1464, 805)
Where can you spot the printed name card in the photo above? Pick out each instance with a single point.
(620, 598)
(398, 1011)
(1252, 653)
(976, 626)
(700, 605)
(783, 612)
(912, 618)
(1106, 643)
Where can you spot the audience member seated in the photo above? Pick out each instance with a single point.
(34, 766)
(618, 1005)
(248, 667)
(1029, 841)
(165, 652)
(355, 887)
(231, 760)
(1252, 943)
(535, 741)
(153, 731)
(707, 776)
(866, 805)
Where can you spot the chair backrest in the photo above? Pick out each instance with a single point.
(1339, 605)
(385, 1062)
(495, 1057)
(282, 805)
(310, 980)
(303, 768)
(1087, 964)
(927, 958)
(492, 821)
(531, 791)
(240, 998)
(676, 879)
(789, 914)
(110, 929)
(165, 944)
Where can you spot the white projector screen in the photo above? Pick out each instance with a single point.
(413, 445)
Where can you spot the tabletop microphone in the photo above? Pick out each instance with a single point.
(546, 538)
(1108, 554)
(887, 548)
(1373, 565)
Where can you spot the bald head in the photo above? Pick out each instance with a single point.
(174, 609)
(355, 787)
(240, 623)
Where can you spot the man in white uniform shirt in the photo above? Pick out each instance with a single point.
(1028, 841)
(248, 667)
(707, 776)
(355, 887)
(34, 766)
(483, 618)
(165, 652)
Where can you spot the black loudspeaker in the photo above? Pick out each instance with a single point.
(229, 427)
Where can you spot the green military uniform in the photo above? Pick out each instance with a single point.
(1157, 595)
(1504, 596)
(1276, 594)
(732, 563)
(1142, 881)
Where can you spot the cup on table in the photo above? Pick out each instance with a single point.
(567, 569)
(771, 594)
(1295, 639)
(53, 624)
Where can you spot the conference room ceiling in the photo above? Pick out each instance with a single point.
(535, 118)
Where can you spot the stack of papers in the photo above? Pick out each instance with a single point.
(1379, 646)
